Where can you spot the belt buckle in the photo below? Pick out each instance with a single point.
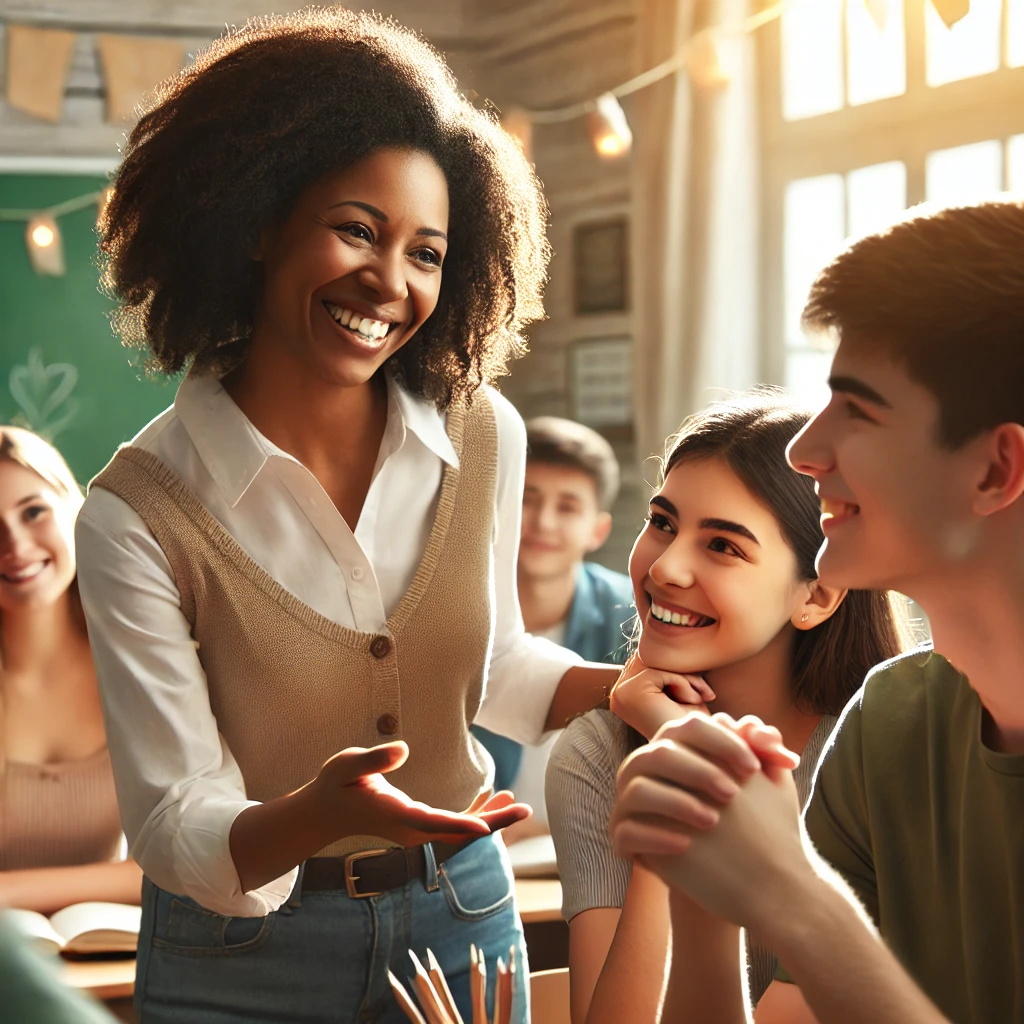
(351, 879)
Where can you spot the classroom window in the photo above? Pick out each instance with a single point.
(822, 213)
(868, 107)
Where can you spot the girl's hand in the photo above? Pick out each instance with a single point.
(352, 797)
(647, 698)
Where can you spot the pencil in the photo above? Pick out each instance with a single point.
(440, 984)
(478, 985)
(433, 1008)
(500, 981)
(408, 1007)
(508, 987)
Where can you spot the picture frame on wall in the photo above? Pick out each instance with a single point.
(601, 382)
(601, 266)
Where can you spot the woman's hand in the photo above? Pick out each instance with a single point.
(353, 798)
(648, 698)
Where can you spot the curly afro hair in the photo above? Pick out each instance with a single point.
(226, 147)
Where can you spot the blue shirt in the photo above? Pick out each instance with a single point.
(599, 622)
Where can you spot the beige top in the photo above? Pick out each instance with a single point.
(52, 815)
(289, 687)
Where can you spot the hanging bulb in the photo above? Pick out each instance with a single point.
(879, 11)
(609, 129)
(518, 124)
(707, 64)
(45, 247)
(952, 11)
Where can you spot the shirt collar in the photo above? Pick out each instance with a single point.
(231, 448)
(234, 451)
(422, 418)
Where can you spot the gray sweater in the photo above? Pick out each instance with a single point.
(580, 792)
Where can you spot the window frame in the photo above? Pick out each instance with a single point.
(906, 128)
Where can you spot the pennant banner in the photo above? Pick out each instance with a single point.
(132, 67)
(37, 66)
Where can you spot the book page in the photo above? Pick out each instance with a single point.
(35, 928)
(98, 927)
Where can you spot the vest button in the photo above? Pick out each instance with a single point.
(387, 725)
(380, 646)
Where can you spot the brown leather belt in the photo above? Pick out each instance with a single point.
(372, 872)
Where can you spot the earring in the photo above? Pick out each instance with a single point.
(804, 618)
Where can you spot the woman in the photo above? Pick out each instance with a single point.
(296, 563)
(60, 836)
(730, 614)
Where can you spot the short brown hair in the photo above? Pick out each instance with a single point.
(942, 292)
(228, 145)
(558, 442)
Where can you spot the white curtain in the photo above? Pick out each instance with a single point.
(695, 221)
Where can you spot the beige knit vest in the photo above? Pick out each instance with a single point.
(289, 688)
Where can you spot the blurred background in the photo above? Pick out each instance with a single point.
(701, 158)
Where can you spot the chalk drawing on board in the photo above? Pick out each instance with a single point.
(43, 393)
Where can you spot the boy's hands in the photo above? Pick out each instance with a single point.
(696, 807)
(352, 797)
(648, 698)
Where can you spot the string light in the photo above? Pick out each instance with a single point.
(609, 129)
(42, 233)
(703, 59)
(706, 62)
(45, 246)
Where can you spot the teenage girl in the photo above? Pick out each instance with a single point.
(302, 576)
(731, 615)
(60, 834)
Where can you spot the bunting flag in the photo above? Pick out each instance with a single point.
(37, 66)
(952, 11)
(132, 67)
(879, 11)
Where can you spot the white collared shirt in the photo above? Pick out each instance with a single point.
(178, 784)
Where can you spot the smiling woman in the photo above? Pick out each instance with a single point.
(60, 837)
(301, 578)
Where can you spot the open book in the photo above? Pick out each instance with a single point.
(81, 929)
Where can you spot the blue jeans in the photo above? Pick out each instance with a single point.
(323, 957)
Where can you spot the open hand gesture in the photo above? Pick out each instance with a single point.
(351, 788)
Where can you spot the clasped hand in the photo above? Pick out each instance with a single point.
(710, 806)
(352, 791)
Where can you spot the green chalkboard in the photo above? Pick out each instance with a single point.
(48, 324)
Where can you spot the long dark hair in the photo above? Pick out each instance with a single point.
(751, 432)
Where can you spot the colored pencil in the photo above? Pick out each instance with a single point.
(478, 985)
(440, 984)
(408, 1007)
(433, 1008)
(507, 988)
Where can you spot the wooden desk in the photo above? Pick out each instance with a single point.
(103, 979)
(539, 899)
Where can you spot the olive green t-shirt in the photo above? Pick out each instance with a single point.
(926, 824)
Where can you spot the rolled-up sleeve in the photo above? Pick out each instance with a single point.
(524, 670)
(178, 785)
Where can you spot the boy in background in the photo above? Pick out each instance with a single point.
(572, 479)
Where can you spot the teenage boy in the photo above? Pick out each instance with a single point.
(572, 478)
(917, 814)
